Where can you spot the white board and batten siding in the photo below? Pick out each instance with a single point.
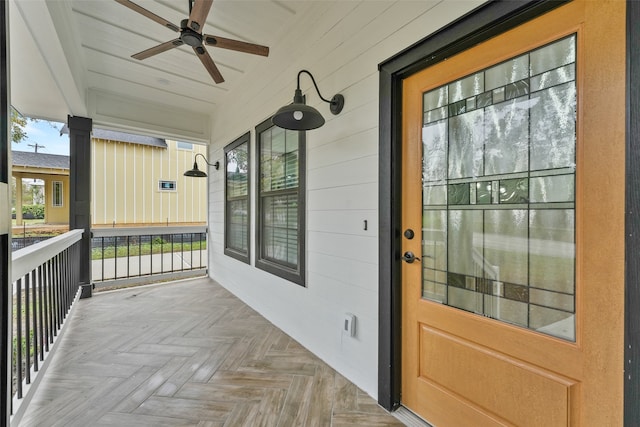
(341, 43)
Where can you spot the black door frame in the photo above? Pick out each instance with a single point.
(632, 223)
(481, 24)
(6, 297)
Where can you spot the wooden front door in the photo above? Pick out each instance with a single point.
(513, 226)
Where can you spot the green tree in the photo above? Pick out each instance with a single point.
(18, 125)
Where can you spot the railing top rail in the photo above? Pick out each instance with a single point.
(146, 231)
(25, 260)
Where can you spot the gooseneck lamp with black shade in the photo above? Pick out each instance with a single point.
(299, 116)
(197, 173)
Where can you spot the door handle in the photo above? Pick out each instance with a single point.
(409, 257)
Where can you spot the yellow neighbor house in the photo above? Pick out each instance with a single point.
(53, 169)
(137, 180)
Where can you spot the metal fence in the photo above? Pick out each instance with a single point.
(23, 242)
(45, 285)
(127, 255)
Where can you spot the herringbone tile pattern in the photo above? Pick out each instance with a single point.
(189, 354)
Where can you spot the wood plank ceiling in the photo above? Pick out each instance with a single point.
(90, 43)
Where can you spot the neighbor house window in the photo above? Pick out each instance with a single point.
(57, 194)
(280, 231)
(184, 145)
(237, 206)
(166, 185)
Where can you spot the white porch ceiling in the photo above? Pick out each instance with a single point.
(74, 57)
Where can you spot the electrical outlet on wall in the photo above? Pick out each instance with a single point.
(349, 325)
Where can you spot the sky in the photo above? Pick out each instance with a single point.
(45, 134)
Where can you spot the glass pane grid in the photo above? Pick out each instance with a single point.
(237, 225)
(499, 191)
(279, 182)
(280, 228)
(237, 198)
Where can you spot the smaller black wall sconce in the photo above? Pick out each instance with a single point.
(197, 173)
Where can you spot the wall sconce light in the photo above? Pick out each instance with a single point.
(298, 116)
(197, 173)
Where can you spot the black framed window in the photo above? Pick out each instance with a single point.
(237, 203)
(280, 233)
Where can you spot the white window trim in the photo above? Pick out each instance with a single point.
(172, 190)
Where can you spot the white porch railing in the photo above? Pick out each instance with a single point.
(45, 280)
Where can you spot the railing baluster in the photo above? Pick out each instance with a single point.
(102, 242)
(74, 270)
(139, 255)
(65, 284)
(172, 254)
(69, 284)
(55, 294)
(151, 258)
(27, 329)
(54, 298)
(182, 251)
(18, 343)
(70, 292)
(161, 254)
(67, 281)
(41, 310)
(63, 288)
(191, 253)
(58, 284)
(34, 311)
(50, 301)
(115, 257)
(128, 259)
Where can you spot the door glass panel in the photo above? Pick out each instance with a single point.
(499, 191)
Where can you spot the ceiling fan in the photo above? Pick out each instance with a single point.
(191, 34)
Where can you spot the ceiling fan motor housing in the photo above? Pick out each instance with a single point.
(188, 36)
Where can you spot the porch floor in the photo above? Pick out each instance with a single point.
(189, 354)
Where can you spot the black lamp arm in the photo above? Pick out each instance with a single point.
(314, 84)
(215, 165)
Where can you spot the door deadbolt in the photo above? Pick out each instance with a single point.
(408, 233)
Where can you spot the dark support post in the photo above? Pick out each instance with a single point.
(80, 194)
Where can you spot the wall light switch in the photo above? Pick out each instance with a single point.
(349, 325)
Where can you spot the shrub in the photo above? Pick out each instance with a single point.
(33, 211)
(159, 241)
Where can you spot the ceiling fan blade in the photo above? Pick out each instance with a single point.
(141, 10)
(208, 63)
(236, 45)
(158, 49)
(199, 14)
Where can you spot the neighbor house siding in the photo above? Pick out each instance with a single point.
(125, 185)
(341, 43)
